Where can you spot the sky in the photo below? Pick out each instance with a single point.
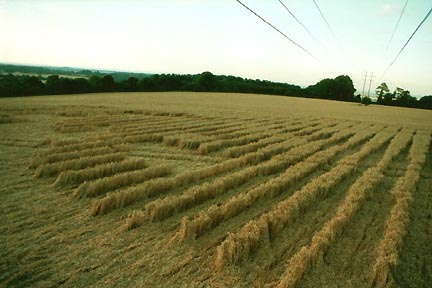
(221, 36)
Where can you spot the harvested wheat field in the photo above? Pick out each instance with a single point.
(213, 190)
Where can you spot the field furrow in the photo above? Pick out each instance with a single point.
(216, 214)
(247, 137)
(126, 197)
(414, 263)
(166, 207)
(58, 157)
(110, 183)
(53, 169)
(238, 246)
(298, 264)
(74, 177)
(395, 227)
(280, 136)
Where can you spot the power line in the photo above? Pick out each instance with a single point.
(325, 20)
(397, 25)
(298, 21)
(409, 39)
(280, 32)
(335, 37)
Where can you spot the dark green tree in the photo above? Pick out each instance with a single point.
(357, 98)
(405, 99)
(340, 88)
(425, 102)
(130, 85)
(366, 100)
(95, 83)
(148, 84)
(32, 86)
(10, 86)
(54, 85)
(387, 99)
(108, 84)
(381, 90)
(398, 92)
(206, 81)
(344, 88)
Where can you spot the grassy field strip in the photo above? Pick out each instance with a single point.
(111, 135)
(151, 135)
(73, 147)
(183, 125)
(89, 123)
(162, 208)
(220, 124)
(307, 255)
(8, 118)
(75, 177)
(77, 164)
(56, 143)
(216, 121)
(58, 157)
(311, 129)
(115, 139)
(283, 122)
(342, 265)
(126, 197)
(157, 121)
(120, 118)
(152, 122)
(166, 207)
(216, 214)
(189, 126)
(164, 122)
(206, 126)
(99, 141)
(349, 259)
(158, 135)
(156, 113)
(246, 137)
(255, 135)
(323, 130)
(110, 183)
(238, 246)
(197, 142)
(17, 142)
(224, 127)
(240, 130)
(77, 128)
(98, 120)
(390, 244)
(414, 265)
(176, 156)
(280, 136)
(83, 119)
(255, 129)
(182, 141)
(225, 135)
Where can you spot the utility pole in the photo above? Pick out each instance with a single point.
(370, 83)
(364, 84)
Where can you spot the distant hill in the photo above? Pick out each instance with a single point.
(73, 72)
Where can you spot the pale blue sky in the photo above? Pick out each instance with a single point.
(192, 36)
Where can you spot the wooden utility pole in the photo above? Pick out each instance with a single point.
(364, 84)
(370, 83)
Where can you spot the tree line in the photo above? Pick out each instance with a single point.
(401, 97)
(340, 88)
